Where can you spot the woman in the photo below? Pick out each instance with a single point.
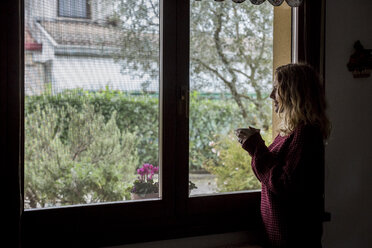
(291, 169)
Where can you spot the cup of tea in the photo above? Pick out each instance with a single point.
(244, 133)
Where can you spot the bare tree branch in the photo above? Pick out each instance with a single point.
(154, 9)
(232, 84)
(215, 71)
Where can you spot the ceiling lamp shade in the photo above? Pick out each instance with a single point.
(292, 3)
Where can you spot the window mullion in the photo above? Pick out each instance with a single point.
(168, 103)
(183, 61)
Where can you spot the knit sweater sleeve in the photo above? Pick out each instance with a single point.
(278, 175)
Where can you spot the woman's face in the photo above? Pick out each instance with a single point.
(275, 96)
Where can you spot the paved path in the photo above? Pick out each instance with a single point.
(206, 183)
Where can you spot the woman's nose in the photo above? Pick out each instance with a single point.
(272, 95)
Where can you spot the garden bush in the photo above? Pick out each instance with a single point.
(83, 147)
(95, 163)
(139, 115)
(233, 168)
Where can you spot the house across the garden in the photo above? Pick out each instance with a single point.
(71, 46)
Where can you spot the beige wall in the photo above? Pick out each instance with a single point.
(282, 45)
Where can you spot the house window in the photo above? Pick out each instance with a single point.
(73, 8)
(231, 61)
(92, 129)
(175, 214)
(100, 142)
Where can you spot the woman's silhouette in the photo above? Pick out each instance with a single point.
(291, 169)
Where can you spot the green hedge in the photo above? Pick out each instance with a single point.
(84, 147)
(94, 162)
(139, 115)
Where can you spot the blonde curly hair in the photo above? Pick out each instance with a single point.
(301, 98)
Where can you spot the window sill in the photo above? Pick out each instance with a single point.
(225, 240)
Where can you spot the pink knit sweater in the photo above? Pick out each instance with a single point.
(291, 171)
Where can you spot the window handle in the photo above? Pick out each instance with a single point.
(183, 105)
(326, 217)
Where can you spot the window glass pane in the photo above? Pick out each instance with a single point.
(230, 82)
(73, 8)
(91, 103)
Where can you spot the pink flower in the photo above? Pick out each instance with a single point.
(147, 172)
(141, 171)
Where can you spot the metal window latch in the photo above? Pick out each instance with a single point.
(326, 217)
(183, 103)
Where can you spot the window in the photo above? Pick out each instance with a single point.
(73, 8)
(92, 125)
(231, 61)
(175, 214)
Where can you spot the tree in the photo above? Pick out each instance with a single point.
(236, 173)
(230, 49)
(232, 44)
(95, 164)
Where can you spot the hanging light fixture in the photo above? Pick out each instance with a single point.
(292, 3)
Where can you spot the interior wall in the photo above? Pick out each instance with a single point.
(348, 154)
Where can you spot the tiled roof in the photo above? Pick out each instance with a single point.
(82, 33)
(30, 42)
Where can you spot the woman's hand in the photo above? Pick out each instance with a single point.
(244, 133)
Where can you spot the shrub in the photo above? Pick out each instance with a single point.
(83, 147)
(135, 114)
(209, 118)
(95, 163)
(139, 115)
(233, 168)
